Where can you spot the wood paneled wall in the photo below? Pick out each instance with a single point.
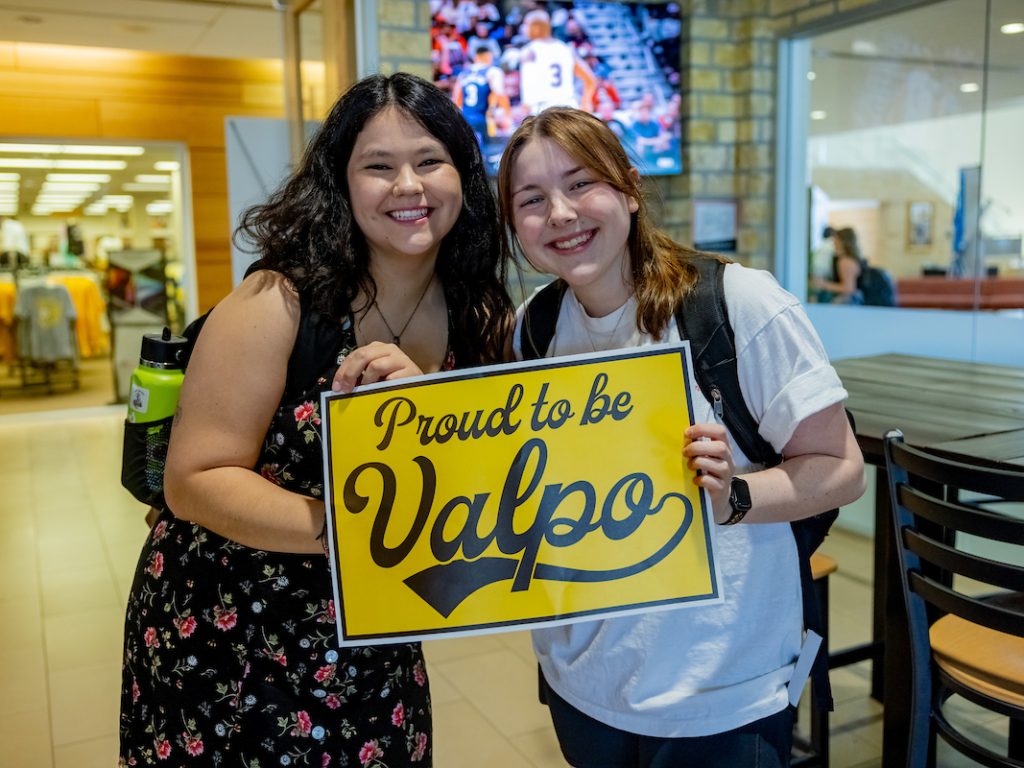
(52, 92)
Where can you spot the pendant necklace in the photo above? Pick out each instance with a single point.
(611, 336)
(396, 338)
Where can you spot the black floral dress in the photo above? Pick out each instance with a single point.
(230, 653)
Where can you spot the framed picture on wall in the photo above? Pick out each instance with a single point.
(920, 223)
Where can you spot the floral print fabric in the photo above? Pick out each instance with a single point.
(231, 656)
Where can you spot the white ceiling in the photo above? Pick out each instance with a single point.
(249, 29)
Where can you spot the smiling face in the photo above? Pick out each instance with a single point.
(405, 192)
(572, 224)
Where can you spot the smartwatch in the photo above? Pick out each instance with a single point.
(739, 500)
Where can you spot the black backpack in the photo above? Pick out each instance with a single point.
(144, 453)
(703, 319)
(876, 286)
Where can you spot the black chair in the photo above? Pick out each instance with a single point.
(961, 643)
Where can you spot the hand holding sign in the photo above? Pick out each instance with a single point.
(545, 491)
(371, 363)
(707, 451)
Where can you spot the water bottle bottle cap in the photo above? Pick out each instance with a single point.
(164, 350)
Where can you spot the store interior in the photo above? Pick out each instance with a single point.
(95, 230)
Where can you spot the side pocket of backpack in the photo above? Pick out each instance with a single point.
(142, 459)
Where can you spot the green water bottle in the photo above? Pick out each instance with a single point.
(156, 381)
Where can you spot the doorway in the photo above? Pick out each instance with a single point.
(97, 249)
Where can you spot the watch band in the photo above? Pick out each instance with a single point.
(735, 517)
(739, 500)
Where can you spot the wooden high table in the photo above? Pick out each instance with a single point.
(970, 411)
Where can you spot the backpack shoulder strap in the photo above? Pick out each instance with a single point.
(539, 320)
(703, 319)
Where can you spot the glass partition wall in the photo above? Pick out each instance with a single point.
(912, 125)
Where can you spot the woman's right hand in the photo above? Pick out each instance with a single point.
(707, 453)
(371, 363)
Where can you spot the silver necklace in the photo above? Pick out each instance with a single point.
(397, 337)
(611, 336)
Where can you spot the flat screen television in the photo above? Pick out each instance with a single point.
(501, 61)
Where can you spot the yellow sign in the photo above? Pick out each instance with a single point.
(544, 491)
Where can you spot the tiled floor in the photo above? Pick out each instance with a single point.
(69, 537)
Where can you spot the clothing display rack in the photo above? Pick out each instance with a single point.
(44, 316)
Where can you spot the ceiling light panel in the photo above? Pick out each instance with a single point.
(101, 178)
(91, 165)
(68, 165)
(31, 149)
(69, 186)
(85, 149)
(71, 149)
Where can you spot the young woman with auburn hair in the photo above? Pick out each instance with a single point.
(701, 686)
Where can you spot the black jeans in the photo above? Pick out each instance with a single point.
(588, 743)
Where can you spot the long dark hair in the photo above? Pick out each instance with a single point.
(306, 230)
(660, 268)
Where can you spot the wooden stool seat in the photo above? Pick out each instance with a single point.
(822, 565)
(981, 658)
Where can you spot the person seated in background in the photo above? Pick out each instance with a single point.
(847, 263)
(821, 265)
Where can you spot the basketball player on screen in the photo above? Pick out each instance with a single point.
(480, 90)
(549, 68)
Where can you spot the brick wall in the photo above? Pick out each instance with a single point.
(728, 79)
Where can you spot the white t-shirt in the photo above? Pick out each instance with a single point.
(703, 670)
(12, 237)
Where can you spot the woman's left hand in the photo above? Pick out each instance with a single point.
(707, 450)
(373, 362)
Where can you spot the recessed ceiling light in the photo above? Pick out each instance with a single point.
(153, 178)
(31, 149)
(132, 186)
(102, 178)
(819, 114)
(811, 75)
(70, 149)
(969, 87)
(102, 149)
(9, 176)
(166, 165)
(1013, 28)
(864, 48)
(67, 186)
(90, 165)
(25, 162)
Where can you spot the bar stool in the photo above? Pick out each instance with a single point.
(813, 751)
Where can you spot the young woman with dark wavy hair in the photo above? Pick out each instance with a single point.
(386, 237)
